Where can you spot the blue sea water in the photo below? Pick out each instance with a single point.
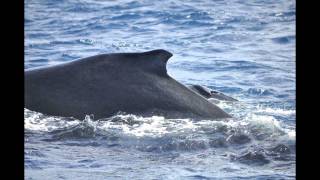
(245, 49)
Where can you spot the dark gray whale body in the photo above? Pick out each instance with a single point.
(103, 85)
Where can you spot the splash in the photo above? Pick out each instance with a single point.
(38, 122)
(260, 127)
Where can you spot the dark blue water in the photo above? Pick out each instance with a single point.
(245, 49)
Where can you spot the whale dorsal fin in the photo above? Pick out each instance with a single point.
(155, 61)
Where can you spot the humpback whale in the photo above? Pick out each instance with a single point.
(105, 84)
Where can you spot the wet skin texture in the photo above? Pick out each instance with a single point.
(105, 84)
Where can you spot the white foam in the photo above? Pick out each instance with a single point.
(269, 124)
(35, 121)
(157, 126)
(147, 126)
(277, 111)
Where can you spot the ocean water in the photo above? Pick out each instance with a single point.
(245, 49)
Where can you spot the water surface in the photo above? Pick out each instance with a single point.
(245, 49)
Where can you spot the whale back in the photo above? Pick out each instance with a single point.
(105, 84)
